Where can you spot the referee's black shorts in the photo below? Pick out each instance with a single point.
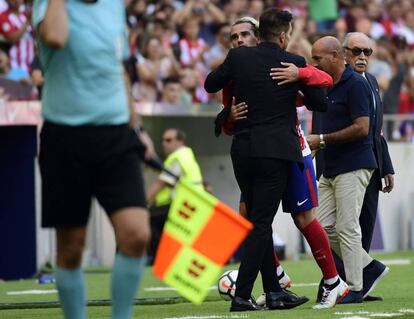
(77, 163)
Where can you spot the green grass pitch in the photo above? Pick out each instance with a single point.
(397, 289)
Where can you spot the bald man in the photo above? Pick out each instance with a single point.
(348, 160)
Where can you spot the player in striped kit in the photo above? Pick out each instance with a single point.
(301, 195)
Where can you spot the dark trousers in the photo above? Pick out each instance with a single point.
(369, 210)
(366, 219)
(262, 182)
(158, 217)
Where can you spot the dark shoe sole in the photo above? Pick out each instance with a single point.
(288, 305)
(376, 281)
(373, 298)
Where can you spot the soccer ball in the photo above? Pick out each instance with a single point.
(227, 284)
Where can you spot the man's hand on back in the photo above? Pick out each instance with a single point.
(239, 111)
(288, 74)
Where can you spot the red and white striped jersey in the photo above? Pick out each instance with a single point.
(304, 146)
(22, 52)
(191, 50)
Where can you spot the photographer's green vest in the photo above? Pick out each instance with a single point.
(190, 169)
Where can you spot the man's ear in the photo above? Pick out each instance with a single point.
(282, 37)
(335, 55)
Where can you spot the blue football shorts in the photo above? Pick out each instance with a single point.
(301, 192)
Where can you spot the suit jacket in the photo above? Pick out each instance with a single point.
(271, 121)
(380, 144)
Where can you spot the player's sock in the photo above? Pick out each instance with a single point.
(319, 244)
(71, 287)
(126, 275)
(279, 270)
(334, 281)
(277, 261)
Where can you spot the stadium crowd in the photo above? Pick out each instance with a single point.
(174, 44)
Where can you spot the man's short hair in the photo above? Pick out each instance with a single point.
(179, 134)
(273, 22)
(254, 23)
(171, 79)
(218, 26)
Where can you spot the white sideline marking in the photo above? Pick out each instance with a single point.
(396, 262)
(373, 314)
(354, 317)
(386, 314)
(352, 313)
(32, 292)
(211, 317)
(406, 310)
(309, 284)
(170, 288)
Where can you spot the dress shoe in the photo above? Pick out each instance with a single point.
(284, 300)
(372, 275)
(352, 297)
(241, 304)
(373, 298)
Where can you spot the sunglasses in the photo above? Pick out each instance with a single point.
(357, 51)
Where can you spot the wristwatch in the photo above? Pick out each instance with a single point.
(322, 143)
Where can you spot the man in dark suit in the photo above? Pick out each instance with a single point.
(357, 52)
(263, 147)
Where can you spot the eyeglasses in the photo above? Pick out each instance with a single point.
(357, 51)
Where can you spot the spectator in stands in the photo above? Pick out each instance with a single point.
(256, 8)
(192, 47)
(324, 13)
(191, 81)
(17, 74)
(234, 9)
(36, 75)
(4, 64)
(206, 13)
(380, 67)
(15, 27)
(391, 98)
(407, 31)
(154, 64)
(216, 54)
(392, 20)
(173, 93)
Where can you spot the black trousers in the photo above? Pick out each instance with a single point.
(366, 219)
(262, 182)
(158, 217)
(369, 210)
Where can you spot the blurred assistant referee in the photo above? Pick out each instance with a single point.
(88, 147)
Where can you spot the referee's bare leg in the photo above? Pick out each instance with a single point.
(132, 232)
